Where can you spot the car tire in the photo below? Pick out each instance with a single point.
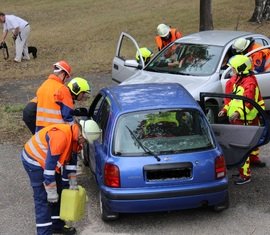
(222, 206)
(106, 214)
(211, 112)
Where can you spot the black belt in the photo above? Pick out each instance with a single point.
(26, 25)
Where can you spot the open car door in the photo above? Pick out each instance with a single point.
(263, 78)
(237, 141)
(124, 63)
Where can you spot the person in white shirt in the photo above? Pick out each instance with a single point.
(20, 29)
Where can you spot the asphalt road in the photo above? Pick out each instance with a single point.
(249, 212)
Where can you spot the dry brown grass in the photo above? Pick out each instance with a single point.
(85, 32)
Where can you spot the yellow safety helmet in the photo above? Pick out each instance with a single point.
(146, 54)
(78, 85)
(241, 63)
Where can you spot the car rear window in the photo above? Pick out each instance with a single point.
(161, 132)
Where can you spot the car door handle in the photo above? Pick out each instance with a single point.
(115, 66)
(242, 146)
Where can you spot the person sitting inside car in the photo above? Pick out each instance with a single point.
(260, 59)
(146, 55)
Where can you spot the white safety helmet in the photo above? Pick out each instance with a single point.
(240, 44)
(163, 30)
(90, 130)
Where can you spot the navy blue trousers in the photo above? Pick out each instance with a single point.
(47, 214)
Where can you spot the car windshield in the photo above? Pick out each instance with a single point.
(187, 59)
(161, 132)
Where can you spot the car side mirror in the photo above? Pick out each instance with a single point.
(132, 64)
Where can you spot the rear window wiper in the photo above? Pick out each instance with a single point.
(145, 149)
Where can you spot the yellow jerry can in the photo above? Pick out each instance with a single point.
(72, 207)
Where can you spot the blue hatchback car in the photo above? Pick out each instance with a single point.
(158, 152)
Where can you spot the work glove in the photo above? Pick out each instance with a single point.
(52, 195)
(221, 113)
(234, 116)
(73, 181)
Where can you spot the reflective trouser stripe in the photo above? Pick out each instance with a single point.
(42, 210)
(44, 225)
(245, 169)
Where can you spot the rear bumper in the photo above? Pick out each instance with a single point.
(158, 199)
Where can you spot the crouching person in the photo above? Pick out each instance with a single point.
(49, 151)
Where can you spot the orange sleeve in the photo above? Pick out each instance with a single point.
(63, 96)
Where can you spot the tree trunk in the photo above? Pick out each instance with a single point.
(206, 20)
(266, 12)
(261, 11)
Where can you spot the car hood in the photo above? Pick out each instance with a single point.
(191, 83)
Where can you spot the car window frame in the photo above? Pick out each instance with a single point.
(229, 149)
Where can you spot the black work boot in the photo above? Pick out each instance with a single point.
(66, 230)
(259, 164)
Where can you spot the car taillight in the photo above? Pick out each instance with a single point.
(111, 175)
(220, 167)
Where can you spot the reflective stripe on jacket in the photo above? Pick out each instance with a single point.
(248, 87)
(37, 147)
(48, 108)
(162, 43)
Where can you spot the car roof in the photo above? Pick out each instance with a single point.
(136, 97)
(214, 37)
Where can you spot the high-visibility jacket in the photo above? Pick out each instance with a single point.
(160, 42)
(260, 59)
(53, 140)
(168, 117)
(164, 117)
(245, 86)
(54, 103)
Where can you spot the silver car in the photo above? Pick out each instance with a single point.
(197, 61)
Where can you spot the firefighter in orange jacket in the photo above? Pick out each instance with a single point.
(54, 99)
(243, 83)
(54, 102)
(78, 87)
(50, 151)
(260, 59)
(166, 35)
